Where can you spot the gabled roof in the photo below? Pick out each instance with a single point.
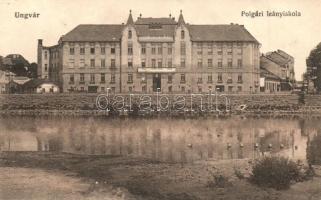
(268, 75)
(92, 33)
(220, 33)
(36, 82)
(277, 58)
(151, 20)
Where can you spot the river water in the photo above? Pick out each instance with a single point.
(166, 140)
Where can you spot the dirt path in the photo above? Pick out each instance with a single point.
(37, 184)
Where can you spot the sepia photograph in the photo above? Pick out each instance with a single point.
(160, 100)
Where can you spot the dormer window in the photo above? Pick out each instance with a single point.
(155, 26)
(130, 34)
(182, 34)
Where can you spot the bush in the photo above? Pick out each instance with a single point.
(219, 181)
(275, 172)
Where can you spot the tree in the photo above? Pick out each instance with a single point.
(32, 70)
(314, 66)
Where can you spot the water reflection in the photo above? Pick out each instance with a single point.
(160, 139)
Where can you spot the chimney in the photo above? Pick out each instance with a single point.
(39, 42)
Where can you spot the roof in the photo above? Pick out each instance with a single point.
(92, 33)
(157, 27)
(151, 20)
(33, 83)
(220, 33)
(277, 58)
(20, 79)
(268, 75)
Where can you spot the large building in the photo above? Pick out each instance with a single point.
(280, 64)
(153, 54)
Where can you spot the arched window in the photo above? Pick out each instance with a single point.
(129, 34)
(182, 34)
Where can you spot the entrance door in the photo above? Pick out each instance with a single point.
(92, 89)
(156, 82)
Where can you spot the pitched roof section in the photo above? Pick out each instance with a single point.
(92, 33)
(268, 75)
(220, 33)
(151, 20)
(277, 58)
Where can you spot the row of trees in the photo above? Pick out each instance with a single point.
(313, 63)
(19, 65)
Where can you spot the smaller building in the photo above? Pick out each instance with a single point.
(269, 82)
(40, 86)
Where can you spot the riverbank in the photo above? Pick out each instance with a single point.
(146, 179)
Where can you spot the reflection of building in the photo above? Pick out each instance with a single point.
(280, 64)
(152, 53)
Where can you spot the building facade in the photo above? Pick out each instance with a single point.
(153, 54)
(280, 64)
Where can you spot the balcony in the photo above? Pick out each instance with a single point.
(219, 81)
(156, 70)
(229, 81)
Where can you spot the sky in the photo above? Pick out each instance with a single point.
(295, 35)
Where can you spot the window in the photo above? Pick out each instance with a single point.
(130, 34)
(160, 50)
(229, 49)
(210, 63)
(153, 63)
(71, 79)
(153, 49)
(103, 63)
(113, 64)
(170, 88)
(112, 78)
(143, 49)
(82, 51)
(159, 63)
(130, 63)
(130, 88)
(182, 63)
(183, 89)
(199, 80)
(71, 63)
(169, 49)
(219, 49)
(199, 63)
(230, 88)
(92, 63)
(199, 48)
(210, 78)
(219, 78)
(182, 34)
(239, 88)
(102, 50)
(46, 55)
(229, 78)
(144, 88)
(82, 78)
(46, 67)
(183, 78)
(82, 89)
(209, 48)
(72, 51)
(239, 63)
(229, 63)
(102, 89)
(143, 63)
(219, 63)
(92, 50)
(92, 78)
(170, 79)
(239, 49)
(183, 48)
(169, 64)
(102, 78)
(130, 49)
(113, 89)
(240, 78)
(130, 78)
(199, 89)
(113, 49)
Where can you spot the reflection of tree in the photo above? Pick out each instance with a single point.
(314, 150)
